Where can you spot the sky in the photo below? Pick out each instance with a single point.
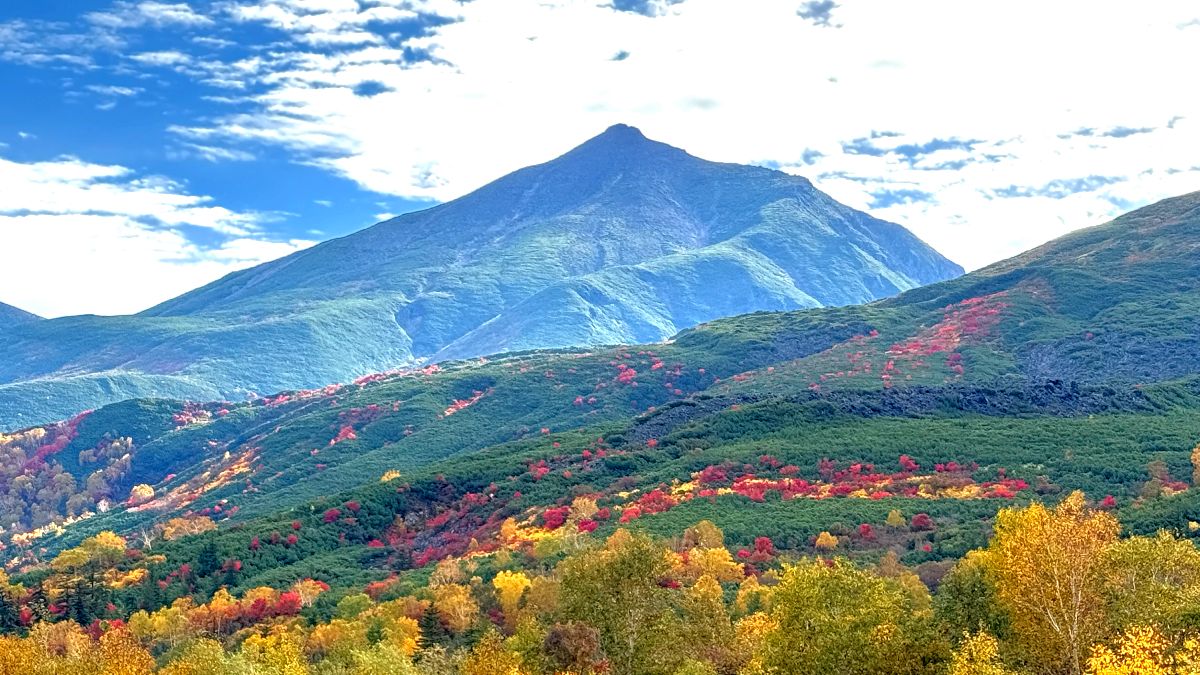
(149, 147)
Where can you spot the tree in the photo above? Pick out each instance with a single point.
(979, 654)
(826, 541)
(1152, 580)
(187, 526)
(616, 590)
(1048, 565)
(455, 606)
(703, 534)
(122, 654)
(18, 656)
(10, 611)
(1144, 651)
(967, 601)
(208, 560)
(510, 586)
(277, 652)
(574, 647)
(489, 657)
(827, 611)
(707, 626)
(433, 631)
(896, 519)
(140, 494)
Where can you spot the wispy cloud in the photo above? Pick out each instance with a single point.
(113, 90)
(162, 58)
(127, 15)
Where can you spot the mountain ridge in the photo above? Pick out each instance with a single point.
(620, 240)
(12, 315)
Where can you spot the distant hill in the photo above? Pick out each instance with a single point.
(10, 316)
(621, 240)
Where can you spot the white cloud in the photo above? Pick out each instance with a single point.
(114, 90)
(322, 22)
(77, 237)
(125, 15)
(214, 154)
(515, 82)
(162, 58)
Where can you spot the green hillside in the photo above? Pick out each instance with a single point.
(1018, 358)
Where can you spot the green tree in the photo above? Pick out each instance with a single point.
(1153, 581)
(616, 589)
(834, 618)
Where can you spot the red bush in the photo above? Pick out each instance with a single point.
(554, 518)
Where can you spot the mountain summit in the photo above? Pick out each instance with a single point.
(621, 240)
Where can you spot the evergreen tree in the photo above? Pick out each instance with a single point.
(10, 615)
(375, 633)
(432, 631)
(208, 560)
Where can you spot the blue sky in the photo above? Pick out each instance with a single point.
(148, 147)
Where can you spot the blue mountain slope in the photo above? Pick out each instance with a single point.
(11, 316)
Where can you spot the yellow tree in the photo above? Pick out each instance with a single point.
(279, 652)
(979, 654)
(715, 562)
(751, 634)
(708, 629)
(382, 659)
(826, 541)
(122, 654)
(201, 657)
(1048, 565)
(704, 534)
(510, 586)
(336, 637)
(18, 656)
(453, 602)
(616, 590)
(490, 657)
(1144, 651)
(187, 526)
(448, 571)
(752, 596)
(308, 590)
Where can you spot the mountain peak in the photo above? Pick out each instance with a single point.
(620, 130)
(621, 143)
